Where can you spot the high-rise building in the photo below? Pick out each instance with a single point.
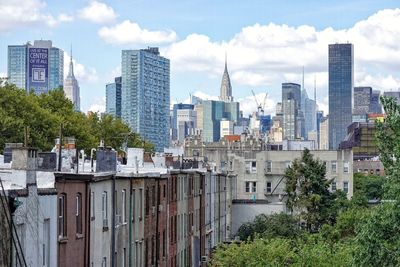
(113, 97)
(174, 125)
(71, 87)
(341, 76)
(375, 105)
(324, 134)
(185, 123)
(226, 88)
(291, 103)
(145, 94)
(362, 100)
(38, 67)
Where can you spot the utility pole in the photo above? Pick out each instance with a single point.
(60, 141)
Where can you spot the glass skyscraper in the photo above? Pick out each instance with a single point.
(18, 66)
(341, 77)
(145, 94)
(113, 98)
(291, 103)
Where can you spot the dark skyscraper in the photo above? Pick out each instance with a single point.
(291, 103)
(362, 100)
(341, 76)
(375, 105)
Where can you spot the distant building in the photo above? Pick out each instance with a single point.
(38, 67)
(226, 127)
(71, 87)
(291, 103)
(145, 94)
(341, 79)
(226, 87)
(375, 105)
(324, 134)
(113, 97)
(362, 100)
(394, 94)
(174, 124)
(186, 123)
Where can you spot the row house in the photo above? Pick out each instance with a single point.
(125, 217)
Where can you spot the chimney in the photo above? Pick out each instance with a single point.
(24, 158)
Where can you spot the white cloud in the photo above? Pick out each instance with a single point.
(17, 13)
(267, 55)
(249, 105)
(97, 104)
(82, 73)
(131, 33)
(98, 12)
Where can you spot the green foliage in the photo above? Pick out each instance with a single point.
(308, 192)
(309, 251)
(367, 187)
(270, 226)
(44, 114)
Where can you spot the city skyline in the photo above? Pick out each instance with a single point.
(263, 50)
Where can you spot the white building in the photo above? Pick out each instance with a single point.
(226, 127)
(71, 87)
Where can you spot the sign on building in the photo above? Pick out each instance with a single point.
(38, 69)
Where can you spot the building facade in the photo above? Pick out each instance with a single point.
(38, 67)
(341, 79)
(145, 94)
(113, 98)
(291, 103)
(71, 87)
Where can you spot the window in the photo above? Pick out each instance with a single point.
(147, 201)
(104, 211)
(123, 260)
(333, 186)
(78, 213)
(104, 262)
(346, 187)
(251, 187)
(62, 207)
(254, 166)
(345, 167)
(268, 166)
(133, 206)
(140, 203)
(164, 191)
(164, 236)
(153, 196)
(123, 211)
(269, 187)
(333, 166)
(92, 210)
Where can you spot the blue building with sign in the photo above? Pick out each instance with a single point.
(38, 67)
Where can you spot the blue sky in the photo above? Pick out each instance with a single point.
(267, 41)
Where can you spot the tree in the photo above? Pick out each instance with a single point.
(43, 114)
(308, 192)
(366, 187)
(270, 226)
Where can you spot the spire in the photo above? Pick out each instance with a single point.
(71, 67)
(226, 88)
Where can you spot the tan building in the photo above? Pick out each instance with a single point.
(324, 135)
(226, 127)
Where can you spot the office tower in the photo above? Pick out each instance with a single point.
(320, 115)
(38, 67)
(199, 119)
(145, 94)
(226, 127)
(291, 103)
(362, 100)
(113, 97)
(341, 75)
(71, 87)
(185, 123)
(324, 134)
(226, 88)
(174, 125)
(375, 105)
(394, 94)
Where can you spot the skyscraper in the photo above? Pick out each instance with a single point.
(341, 76)
(174, 126)
(226, 88)
(375, 105)
(71, 87)
(38, 67)
(145, 94)
(291, 103)
(362, 100)
(113, 98)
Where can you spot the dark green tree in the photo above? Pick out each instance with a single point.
(308, 192)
